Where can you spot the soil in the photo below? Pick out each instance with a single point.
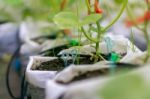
(54, 65)
(58, 64)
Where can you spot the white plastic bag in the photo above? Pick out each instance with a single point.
(120, 45)
(88, 89)
(36, 77)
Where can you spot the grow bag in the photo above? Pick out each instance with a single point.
(77, 77)
(40, 69)
(136, 58)
(37, 78)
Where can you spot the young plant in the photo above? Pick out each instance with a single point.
(67, 20)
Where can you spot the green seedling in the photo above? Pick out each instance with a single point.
(69, 20)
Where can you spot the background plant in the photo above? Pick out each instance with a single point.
(140, 21)
(19, 10)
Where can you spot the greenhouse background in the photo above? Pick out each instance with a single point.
(74, 49)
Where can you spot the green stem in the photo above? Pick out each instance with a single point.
(79, 34)
(88, 5)
(147, 37)
(98, 37)
(147, 41)
(132, 40)
(117, 17)
(90, 28)
(88, 36)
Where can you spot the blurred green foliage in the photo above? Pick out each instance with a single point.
(118, 1)
(13, 2)
(126, 87)
(18, 10)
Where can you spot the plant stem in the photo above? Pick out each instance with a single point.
(90, 26)
(117, 17)
(79, 34)
(88, 36)
(98, 37)
(132, 40)
(88, 5)
(147, 37)
(147, 41)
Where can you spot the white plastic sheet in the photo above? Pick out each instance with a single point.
(36, 77)
(88, 89)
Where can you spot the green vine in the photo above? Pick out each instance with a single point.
(88, 5)
(88, 36)
(117, 17)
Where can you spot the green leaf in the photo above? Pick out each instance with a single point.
(91, 19)
(66, 20)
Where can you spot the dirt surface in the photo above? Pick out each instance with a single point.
(58, 64)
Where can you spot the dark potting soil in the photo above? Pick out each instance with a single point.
(53, 65)
(58, 64)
